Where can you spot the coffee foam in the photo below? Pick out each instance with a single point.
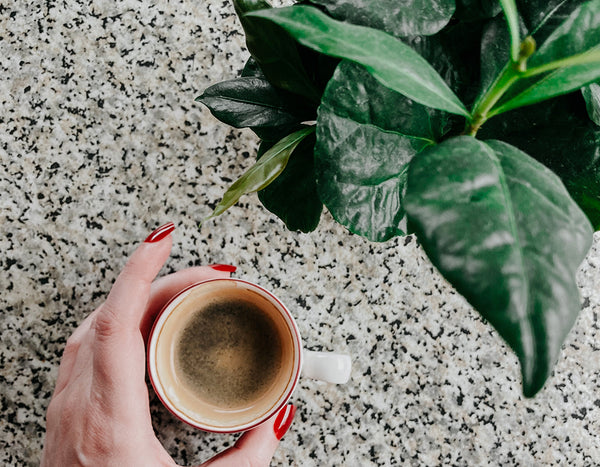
(183, 396)
(228, 352)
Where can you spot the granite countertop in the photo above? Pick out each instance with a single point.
(101, 141)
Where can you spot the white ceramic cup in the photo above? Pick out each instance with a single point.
(186, 405)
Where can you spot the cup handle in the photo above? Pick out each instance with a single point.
(327, 366)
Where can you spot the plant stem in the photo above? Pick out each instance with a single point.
(511, 73)
(480, 113)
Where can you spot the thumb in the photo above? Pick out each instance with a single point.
(256, 447)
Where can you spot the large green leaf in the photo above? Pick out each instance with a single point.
(292, 196)
(563, 139)
(261, 174)
(275, 51)
(366, 135)
(390, 61)
(253, 102)
(503, 230)
(591, 94)
(398, 18)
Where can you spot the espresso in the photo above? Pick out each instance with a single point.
(229, 352)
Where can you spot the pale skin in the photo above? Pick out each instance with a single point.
(99, 413)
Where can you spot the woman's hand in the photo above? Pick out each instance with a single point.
(99, 413)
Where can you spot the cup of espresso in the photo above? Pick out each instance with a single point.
(224, 355)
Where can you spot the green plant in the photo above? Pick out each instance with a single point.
(472, 124)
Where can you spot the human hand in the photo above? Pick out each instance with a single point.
(99, 413)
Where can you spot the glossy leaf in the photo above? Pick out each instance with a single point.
(563, 139)
(591, 94)
(366, 136)
(252, 102)
(503, 230)
(390, 61)
(512, 18)
(541, 17)
(571, 55)
(274, 51)
(293, 104)
(292, 196)
(318, 67)
(454, 53)
(252, 70)
(578, 33)
(400, 19)
(261, 174)
(562, 81)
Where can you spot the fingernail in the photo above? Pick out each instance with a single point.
(223, 267)
(284, 420)
(160, 233)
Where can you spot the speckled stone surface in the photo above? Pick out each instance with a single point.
(101, 141)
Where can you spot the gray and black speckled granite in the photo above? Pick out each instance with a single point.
(101, 141)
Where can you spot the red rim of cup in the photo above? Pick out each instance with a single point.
(275, 409)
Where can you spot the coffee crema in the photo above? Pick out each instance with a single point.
(229, 353)
(225, 355)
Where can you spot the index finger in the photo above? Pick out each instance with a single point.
(125, 305)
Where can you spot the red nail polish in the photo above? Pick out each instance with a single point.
(160, 233)
(223, 267)
(284, 420)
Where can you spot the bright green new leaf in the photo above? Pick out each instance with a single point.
(292, 196)
(390, 61)
(512, 18)
(561, 81)
(567, 60)
(504, 231)
(563, 62)
(261, 174)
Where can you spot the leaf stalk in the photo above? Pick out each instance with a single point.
(512, 72)
(579, 59)
(481, 110)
